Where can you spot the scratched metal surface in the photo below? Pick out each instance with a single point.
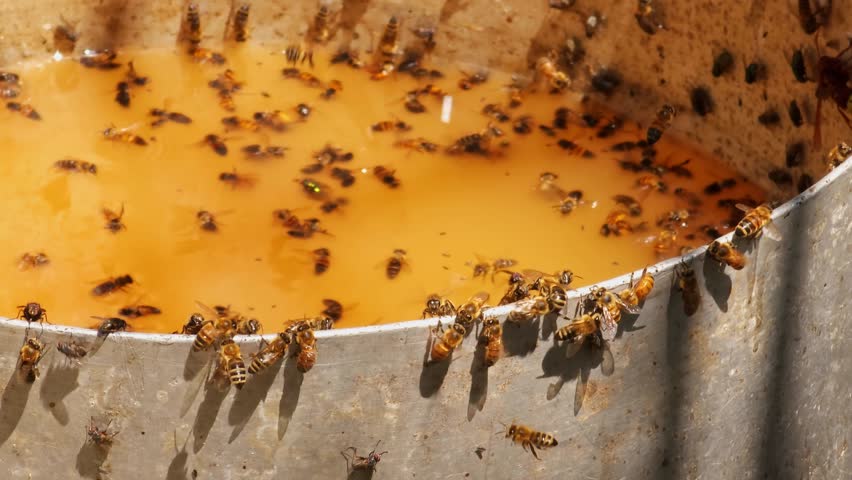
(756, 385)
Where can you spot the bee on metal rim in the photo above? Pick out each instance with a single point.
(74, 165)
(72, 350)
(472, 310)
(33, 260)
(444, 342)
(687, 282)
(307, 342)
(100, 436)
(357, 462)
(492, 336)
(269, 354)
(113, 220)
(237, 25)
(438, 307)
(535, 307)
(756, 221)
(193, 325)
(211, 331)
(29, 357)
(837, 155)
(636, 293)
(725, 253)
(32, 312)
(231, 363)
(528, 437)
(110, 325)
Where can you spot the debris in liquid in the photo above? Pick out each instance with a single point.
(449, 210)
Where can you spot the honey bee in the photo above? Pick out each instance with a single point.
(660, 124)
(238, 29)
(357, 462)
(307, 228)
(72, 350)
(73, 165)
(633, 207)
(469, 81)
(64, 37)
(136, 311)
(207, 221)
(113, 220)
(190, 27)
(99, 436)
(307, 349)
(28, 358)
(124, 135)
(636, 294)
(517, 291)
(492, 335)
(556, 79)
(217, 143)
(205, 55)
(9, 84)
(384, 71)
(646, 182)
(579, 328)
(163, 116)
(322, 260)
(838, 155)
(333, 310)
(24, 109)
(419, 144)
(688, 284)
(294, 54)
(389, 125)
(237, 123)
(756, 221)
(570, 203)
(226, 81)
(33, 260)
(477, 143)
(536, 307)
(438, 307)
(725, 253)
(472, 310)
(617, 222)
(270, 354)
(674, 218)
(386, 176)
(523, 125)
(257, 152)
(388, 44)
(110, 325)
(319, 31)
(211, 331)
(313, 188)
(231, 363)
(395, 263)
(236, 180)
(332, 205)
(344, 175)
(32, 312)
(413, 104)
(528, 437)
(648, 17)
(193, 325)
(665, 241)
(100, 59)
(610, 306)
(111, 285)
(445, 341)
(275, 119)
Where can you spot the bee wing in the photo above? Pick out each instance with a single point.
(607, 360)
(579, 392)
(608, 326)
(772, 231)
(575, 347)
(634, 309)
(744, 207)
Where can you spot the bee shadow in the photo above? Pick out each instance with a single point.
(627, 324)
(249, 397)
(432, 376)
(12, 405)
(360, 474)
(520, 338)
(717, 283)
(58, 383)
(549, 325)
(558, 362)
(478, 381)
(90, 460)
(208, 410)
(195, 361)
(177, 467)
(293, 379)
(351, 13)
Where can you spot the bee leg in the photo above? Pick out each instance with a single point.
(532, 449)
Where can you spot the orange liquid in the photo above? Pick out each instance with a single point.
(447, 211)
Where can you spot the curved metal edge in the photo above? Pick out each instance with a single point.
(573, 295)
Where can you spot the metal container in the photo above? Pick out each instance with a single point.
(755, 385)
